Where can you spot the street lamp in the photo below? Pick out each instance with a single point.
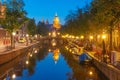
(91, 40)
(91, 37)
(77, 37)
(58, 33)
(104, 50)
(82, 37)
(27, 62)
(49, 34)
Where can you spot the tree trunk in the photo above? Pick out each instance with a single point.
(111, 46)
(110, 43)
(104, 51)
(11, 40)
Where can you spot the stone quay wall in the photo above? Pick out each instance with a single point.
(9, 55)
(111, 72)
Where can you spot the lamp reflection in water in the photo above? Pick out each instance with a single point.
(13, 76)
(56, 55)
(53, 42)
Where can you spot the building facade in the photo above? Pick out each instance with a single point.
(4, 38)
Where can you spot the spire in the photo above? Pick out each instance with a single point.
(42, 20)
(56, 23)
(47, 22)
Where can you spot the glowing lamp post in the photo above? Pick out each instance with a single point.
(27, 62)
(58, 33)
(104, 50)
(91, 37)
(82, 37)
(49, 34)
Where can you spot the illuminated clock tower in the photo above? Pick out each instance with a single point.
(56, 23)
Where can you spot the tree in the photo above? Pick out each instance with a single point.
(31, 27)
(77, 22)
(14, 12)
(107, 13)
(42, 28)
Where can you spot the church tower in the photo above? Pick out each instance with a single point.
(47, 22)
(56, 23)
(43, 20)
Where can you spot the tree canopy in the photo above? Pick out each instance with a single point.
(15, 15)
(42, 28)
(31, 27)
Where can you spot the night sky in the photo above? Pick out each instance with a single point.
(46, 9)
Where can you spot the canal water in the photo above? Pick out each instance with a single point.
(46, 63)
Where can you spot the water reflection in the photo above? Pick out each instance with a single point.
(81, 72)
(56, 53)
(53, 63)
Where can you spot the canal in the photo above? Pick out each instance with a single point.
(49, 63)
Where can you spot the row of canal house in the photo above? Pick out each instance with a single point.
(5, 39)
(4, 36)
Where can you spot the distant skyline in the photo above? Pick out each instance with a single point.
(46, 9)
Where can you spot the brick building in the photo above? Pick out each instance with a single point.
(4, 38)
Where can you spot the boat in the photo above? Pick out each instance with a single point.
(84, 58)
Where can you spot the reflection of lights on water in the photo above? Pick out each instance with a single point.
(27, 62)
(49, 50)
(53, 44)
(54, 34)
(30, 55)
(35, 51)
(55, 62)
(90, 72)
(13, 76)
(66, 47)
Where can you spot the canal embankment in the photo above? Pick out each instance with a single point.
(9, 55)
(108, 70)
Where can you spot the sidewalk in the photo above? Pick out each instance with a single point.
(4, 50)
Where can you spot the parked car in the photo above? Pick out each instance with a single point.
(22, 40)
